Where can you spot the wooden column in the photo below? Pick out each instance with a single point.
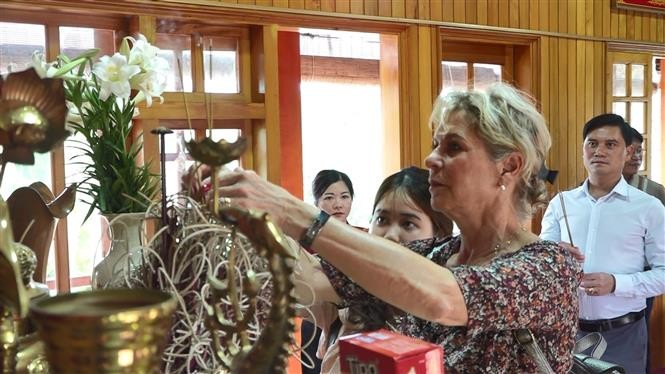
(419, 65)
(58, 185)
(390, 108)
(266, 133)
(290, 112)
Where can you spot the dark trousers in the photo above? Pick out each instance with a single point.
(626, 346)
(648, 313)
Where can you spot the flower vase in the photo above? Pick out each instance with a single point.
(124, 259)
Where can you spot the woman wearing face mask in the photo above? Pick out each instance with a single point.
(402, 213)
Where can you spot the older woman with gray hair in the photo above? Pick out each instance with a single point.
(469, 293)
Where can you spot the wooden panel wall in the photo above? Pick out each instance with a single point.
(572, 85)
(595, 18)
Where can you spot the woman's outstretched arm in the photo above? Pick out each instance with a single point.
(387, 270)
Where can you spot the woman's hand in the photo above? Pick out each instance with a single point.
(247, 190)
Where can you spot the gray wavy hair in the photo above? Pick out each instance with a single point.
(506, 119)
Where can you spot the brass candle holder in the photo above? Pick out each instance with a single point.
(103, 331)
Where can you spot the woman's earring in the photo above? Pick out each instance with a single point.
(503, 187)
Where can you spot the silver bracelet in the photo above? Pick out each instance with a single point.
(313, 230)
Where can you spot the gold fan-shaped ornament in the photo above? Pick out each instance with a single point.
(214, 153)
(32, 115)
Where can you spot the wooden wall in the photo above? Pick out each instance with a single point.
(594, 18)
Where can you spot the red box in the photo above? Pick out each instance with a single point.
(386, 352)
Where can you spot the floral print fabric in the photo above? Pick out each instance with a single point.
(535, 288)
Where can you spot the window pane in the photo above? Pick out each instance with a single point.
(178, 160)
(173, 47)
(637, 116)
(619, 108)
(485, 74)
(619, 80)
(336, 43)
(222, 75)
(84, 238)
(76, 40)
(230, 135)
(455, 76)
(18, 41)
(637, 80)
(24, 175)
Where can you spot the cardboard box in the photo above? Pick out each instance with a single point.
(386, 352)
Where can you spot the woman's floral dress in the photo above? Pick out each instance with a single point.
(535, 288)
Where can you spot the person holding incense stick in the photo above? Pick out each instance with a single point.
(469, 293)
(620, 230)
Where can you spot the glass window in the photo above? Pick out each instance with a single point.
(335, 43)
(485, 74)
(220, 62)
(174, 47)
(76, 40)
(618, 79)
(637, 116)
(178, 160)
(637, 80)
(83, 237)
(619, 108)
(455, 76)
(18, 41)
(230, 135)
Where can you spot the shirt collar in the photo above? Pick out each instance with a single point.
(620, 189)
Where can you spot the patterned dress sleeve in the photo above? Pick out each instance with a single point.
(516, 290)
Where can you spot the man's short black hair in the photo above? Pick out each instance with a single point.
(635, 135)
(608, 119)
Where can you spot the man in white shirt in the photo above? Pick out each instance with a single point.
(620, 230)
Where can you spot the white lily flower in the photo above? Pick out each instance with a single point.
(150, 84)
(114, 74)
(44, 69)
(142, 53)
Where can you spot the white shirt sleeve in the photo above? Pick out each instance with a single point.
(651, 282)
(550, 229)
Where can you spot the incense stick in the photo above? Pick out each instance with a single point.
(184, 96)
(210, 118)
(565, 218)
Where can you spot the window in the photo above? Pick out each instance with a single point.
(630, 95)
(177, 49)
(341, 70)
(464, 68)
(656, 171)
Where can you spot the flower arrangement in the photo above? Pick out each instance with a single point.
(102, 102)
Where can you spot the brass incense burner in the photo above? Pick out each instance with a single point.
(125, 330)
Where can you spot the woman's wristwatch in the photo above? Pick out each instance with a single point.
(314, 229)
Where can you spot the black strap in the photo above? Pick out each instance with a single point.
(335, 327)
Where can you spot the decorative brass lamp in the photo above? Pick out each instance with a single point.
(269, 352)
(120, 330)
(112, 330)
